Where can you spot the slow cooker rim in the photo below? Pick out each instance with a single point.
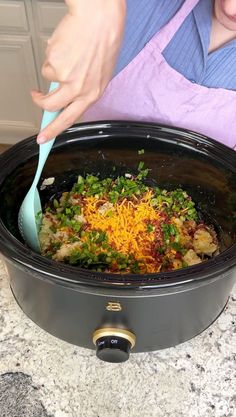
(202, 142)
(16, 250)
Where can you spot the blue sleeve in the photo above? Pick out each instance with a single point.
(144, 19)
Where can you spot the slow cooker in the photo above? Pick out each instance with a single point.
(115, 313)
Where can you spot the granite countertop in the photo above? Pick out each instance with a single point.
(41, 376)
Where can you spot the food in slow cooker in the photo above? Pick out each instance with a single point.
(124, 226)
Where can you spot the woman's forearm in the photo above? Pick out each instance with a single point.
(75, 5)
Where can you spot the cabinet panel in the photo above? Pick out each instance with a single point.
(49, 14)
(19, 117)
(13, 16)
(42, 44)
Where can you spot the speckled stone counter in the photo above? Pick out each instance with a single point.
(41, 376)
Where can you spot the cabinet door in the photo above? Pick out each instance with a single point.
(47, 15)
(19, 118)
(42, 44)
(13, 16)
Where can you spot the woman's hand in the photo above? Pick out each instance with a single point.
(81, 55)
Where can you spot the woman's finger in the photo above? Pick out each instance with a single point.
(56, 99)
(48, 71)
(65, 119)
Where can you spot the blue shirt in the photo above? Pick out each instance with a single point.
(187, 52)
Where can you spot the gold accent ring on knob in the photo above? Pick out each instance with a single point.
(110, 331)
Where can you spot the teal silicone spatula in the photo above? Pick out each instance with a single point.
(30, 214)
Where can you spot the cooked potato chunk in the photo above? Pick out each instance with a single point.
(46, 234)
(65, 250)
(191, 258)
(203, 242)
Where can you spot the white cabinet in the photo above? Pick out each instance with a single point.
(13, 16)
(48, 14)
(18, 117)
(24, 28)
(46, 17)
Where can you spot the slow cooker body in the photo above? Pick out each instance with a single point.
(118, 313)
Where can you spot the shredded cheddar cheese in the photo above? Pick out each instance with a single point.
(126, 225)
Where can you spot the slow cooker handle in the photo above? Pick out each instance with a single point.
(113, 344)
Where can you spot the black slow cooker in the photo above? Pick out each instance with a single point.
(119, 313)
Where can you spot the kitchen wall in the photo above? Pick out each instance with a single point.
(25, 26)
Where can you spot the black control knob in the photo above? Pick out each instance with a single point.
(113, 345)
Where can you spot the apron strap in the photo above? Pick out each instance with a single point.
(165, 35)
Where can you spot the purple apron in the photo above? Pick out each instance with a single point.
(148, 89)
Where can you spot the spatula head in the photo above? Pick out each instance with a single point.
(29, 219)
(30, 214)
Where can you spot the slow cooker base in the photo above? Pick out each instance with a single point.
(136, 351)
(158, 319)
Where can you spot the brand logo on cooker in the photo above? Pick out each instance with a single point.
(111, 306)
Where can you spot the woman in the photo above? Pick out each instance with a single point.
(184, 38)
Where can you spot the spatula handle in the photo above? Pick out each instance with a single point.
(45, 148)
